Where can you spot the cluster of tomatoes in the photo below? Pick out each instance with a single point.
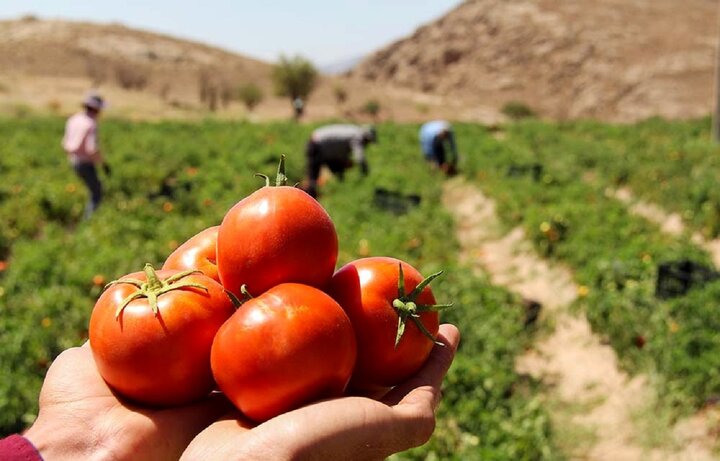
(255, 308)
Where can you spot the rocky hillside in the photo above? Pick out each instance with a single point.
(610, 59)
(112, 55)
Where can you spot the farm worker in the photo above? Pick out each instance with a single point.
(81, 418)
(81, 144)
(337, 147)
(298, 107)
(437, 141)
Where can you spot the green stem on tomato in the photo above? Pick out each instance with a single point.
(407, 308)
(154, 286)
(280, 178)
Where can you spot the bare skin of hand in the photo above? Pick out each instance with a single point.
(81, 418)
(348, 428)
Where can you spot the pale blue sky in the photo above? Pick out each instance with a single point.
(325, 31)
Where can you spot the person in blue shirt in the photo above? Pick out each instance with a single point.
(437, 141)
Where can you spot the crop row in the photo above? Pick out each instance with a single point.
(539, 176)
(674, 164)
(170, 180)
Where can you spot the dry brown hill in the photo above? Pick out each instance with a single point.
(47, 65)
(609, 59)
(50, 57)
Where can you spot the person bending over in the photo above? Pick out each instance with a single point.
(437, 141)
(337, 147)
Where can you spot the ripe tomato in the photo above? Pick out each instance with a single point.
(151, 333)
(198, 252)
(395, 324)
(291, 345)
(276, 235)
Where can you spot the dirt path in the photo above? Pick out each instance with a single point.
(594, 404)
(670, 223)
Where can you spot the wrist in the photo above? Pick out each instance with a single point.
(59, 441)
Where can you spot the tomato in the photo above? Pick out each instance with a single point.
(276, 235)
(151, 334)
(291, 345)
(198, 252)
(375, 293)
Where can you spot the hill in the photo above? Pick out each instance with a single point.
(56, 59)
(616, 60)
(47, 65)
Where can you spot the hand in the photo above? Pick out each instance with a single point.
(81, 418)
(348, 428)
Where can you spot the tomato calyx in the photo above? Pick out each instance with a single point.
(154, 286)
(281, 178)
(407, 308)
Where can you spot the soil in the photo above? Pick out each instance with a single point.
(48, 65)
(670, 223)
(618, 60)
(594, 404)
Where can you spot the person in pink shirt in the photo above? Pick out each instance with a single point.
(81, 144)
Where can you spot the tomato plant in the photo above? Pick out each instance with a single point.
(291, 345)
(394, 315)
(198, 252)
(276, 235)
(151, 333)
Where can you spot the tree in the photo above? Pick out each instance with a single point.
(340, 94)
(372, 107)
(294, 77)
(250, 94)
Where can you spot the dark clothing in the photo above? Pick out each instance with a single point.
(18, 448)
(437, 141)
(438, 149)
(88, 173)
(315, 161)
(338, 147)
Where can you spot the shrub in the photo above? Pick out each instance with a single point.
(371, 107)
(130, 77)
(340, 94)
(517, 110)
(250, 94)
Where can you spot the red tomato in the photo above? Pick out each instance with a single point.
(292, 345)
(276, 235)
(388, 352)
(158, 355)
(198, 252)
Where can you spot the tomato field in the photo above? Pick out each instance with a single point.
(171, 180)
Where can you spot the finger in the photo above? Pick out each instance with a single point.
(426, 383)
(182, 425)
(220, 440)
(417, 398)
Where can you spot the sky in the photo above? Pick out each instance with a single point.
(324, 31)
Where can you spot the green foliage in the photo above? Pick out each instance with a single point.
(48, 289)
(372, 107)
(570, 215)
(294, 77)
(517, 110)
(250, 94)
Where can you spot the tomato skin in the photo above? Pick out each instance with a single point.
(276, 235)
(163, 360)
(292, 345)
(198, 252)
(366, 288)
